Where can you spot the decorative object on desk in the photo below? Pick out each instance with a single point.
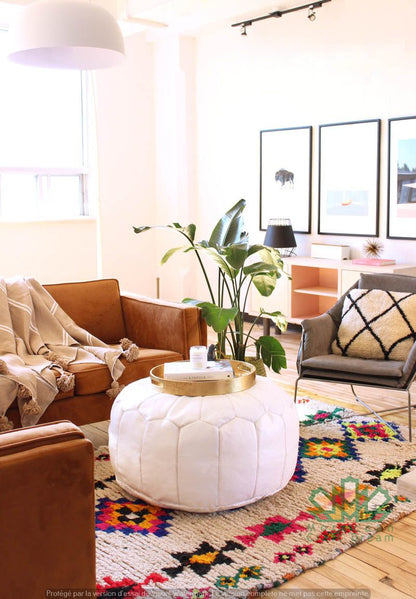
(239, 265)
(211, 353)
(285, 176)
(349, 168)
(330, 251)
(66, 34)
(373, 249)
(198, 357)
(401, 207)
(280, 235)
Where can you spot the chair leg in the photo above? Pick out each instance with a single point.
(296, 389)
(409, 408)
(378, 417)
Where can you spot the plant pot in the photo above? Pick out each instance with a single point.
(257, 363)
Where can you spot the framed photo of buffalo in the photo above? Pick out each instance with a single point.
(285, 176)
(349, 169)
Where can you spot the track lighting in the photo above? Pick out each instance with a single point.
(279, 13)
(311, 13)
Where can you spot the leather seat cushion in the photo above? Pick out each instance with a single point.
(358, 366)
(95, 378)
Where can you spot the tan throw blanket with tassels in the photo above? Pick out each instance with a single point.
(38, 340)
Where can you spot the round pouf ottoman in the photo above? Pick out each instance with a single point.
(203, 454)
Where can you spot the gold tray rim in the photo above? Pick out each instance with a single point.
(244, 378)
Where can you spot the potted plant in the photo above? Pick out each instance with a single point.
(239, 265)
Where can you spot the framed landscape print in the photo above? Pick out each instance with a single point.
(401, 207)
(349, 169)
(285, 176)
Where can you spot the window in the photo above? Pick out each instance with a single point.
(43, 142)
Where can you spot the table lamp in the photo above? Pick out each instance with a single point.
(280, 235)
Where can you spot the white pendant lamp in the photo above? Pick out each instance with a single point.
(66, 34)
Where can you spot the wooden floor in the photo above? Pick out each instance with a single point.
(385, 566)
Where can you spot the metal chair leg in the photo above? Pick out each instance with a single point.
(296, 389)
(409, 408)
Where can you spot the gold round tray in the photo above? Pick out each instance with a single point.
(244, 378)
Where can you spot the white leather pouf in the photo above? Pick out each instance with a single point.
(203, 454)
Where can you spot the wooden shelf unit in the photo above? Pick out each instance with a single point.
(313, 286)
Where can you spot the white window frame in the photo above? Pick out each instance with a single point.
(43, 174)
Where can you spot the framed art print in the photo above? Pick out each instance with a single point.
(401, 207)
(285, 176)
(349, 169)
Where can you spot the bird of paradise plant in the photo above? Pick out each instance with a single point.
(239, 265)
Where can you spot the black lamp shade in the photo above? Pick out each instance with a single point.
(280, 234)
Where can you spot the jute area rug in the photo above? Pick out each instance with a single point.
(342, 492)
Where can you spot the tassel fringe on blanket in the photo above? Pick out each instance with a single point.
(38, 342)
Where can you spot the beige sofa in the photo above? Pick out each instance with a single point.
(163, 331)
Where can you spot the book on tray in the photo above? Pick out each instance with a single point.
(183, 371)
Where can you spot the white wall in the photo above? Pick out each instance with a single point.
(146, 141)
(355, 62)
(126, 160)
(50, 251)
(179, 125)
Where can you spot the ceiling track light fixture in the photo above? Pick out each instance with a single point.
(310, 7)
(311, 13)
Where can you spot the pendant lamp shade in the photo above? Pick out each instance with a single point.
(66, 34)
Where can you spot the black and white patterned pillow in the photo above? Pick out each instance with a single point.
(377, 324)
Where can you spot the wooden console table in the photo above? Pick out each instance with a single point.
(314, 285)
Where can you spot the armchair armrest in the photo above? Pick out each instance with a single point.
(47, 536)
(159, 324)
(317, 335)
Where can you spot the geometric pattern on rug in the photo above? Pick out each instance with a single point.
(202, 559)
(343, 492)
(371, 429)
(131, 517)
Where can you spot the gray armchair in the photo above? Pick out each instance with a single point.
(316, 360)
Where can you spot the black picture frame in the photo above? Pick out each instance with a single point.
(349, 178)
(401, 180)
(286, 176)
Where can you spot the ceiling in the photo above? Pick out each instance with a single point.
(189, 16)
(179, 16)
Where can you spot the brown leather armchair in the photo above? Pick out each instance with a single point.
(47, 528)
(317, 362)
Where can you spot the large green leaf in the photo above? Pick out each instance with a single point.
(259, 268)
(218, 259)
(272, 352)
(236, 254)
(215, 317)
(265, 283)
(229, 228)
(172, 251)
(278, 318)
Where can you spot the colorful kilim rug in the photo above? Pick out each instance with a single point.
(343, 491)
